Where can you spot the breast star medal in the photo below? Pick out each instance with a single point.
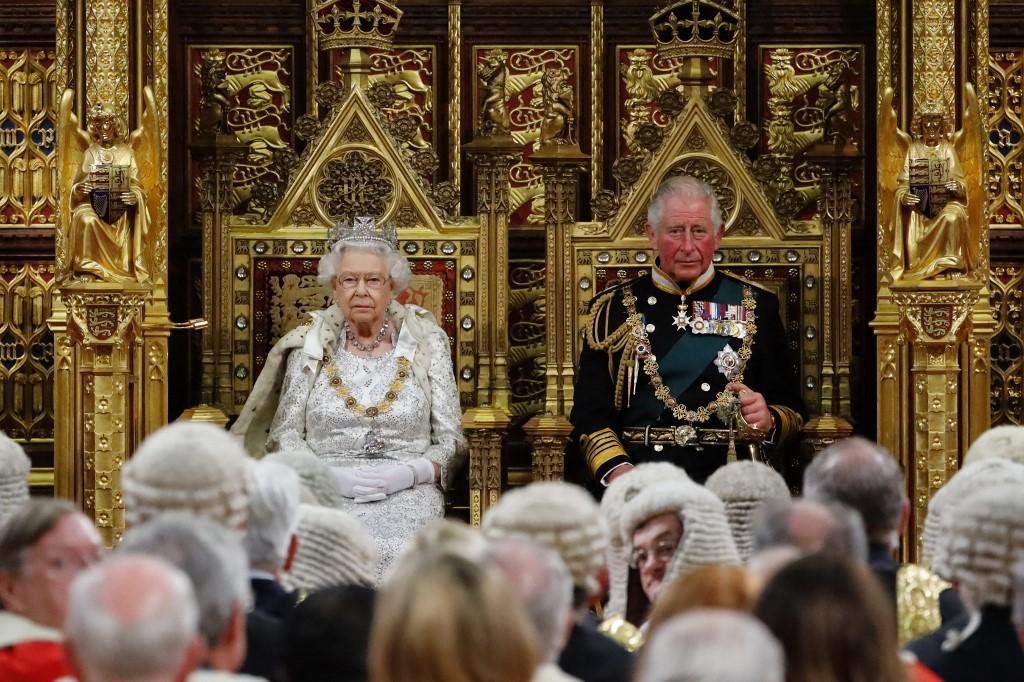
(727, 362)
(682, 318)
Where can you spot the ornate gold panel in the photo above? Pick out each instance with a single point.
(524, 101)
(258, 87)
(409, 69)
(1004, 121)
(526, 330)
(801, 86)
(642, 76)
(1006, 284)
(28, 114)
(26, 350)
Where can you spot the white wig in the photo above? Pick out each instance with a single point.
(395, 260)
(318, 483)
(14, 470)
(620, 491)
(981, 544)
(706, 540)
(334, 549)
(744, 486)
(1002, 442)
(980, 475)
(274, 492)
(190, 467)
(560, 516)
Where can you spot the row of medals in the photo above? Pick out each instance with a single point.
(729, 325)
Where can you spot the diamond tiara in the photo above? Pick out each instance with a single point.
(363, 229)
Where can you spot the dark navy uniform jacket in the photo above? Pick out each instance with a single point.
(605, 402)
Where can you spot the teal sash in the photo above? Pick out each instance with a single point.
(688, 358)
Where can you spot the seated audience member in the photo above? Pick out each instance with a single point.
(670, 528)
(318, 484)
(327, 635)
(189, 467)
(43, 545)
(810, 527)
(539, 577)
(567, 520)
(712, 645)
(866, 478)
(705, 587)
(743, 486)
(981, 474)
(611, 509)
(834, 622)
(215, 562)
(14, 469)
(443, 618)
(980, 543)
(132, 618)
(334, 549)
(999, 442)
(270, 538)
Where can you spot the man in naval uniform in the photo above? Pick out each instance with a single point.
(686, 364)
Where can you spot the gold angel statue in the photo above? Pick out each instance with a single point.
(110, 193)
(932, 201)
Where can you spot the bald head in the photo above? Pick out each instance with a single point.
(865, 477)
(132, 618)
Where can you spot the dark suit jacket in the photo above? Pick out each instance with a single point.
(264, 656)
(600, 411)
(593, 656)
(270, 597)
(991, 654)
(885, 567)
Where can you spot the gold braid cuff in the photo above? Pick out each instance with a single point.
(601, 447)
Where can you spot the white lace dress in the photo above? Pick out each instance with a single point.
(323, 424)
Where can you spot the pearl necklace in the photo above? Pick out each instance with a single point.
(373, 345)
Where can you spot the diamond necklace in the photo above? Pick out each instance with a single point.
(373, 345)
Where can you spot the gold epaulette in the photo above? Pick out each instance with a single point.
(597, 330)
(744, 280)
(627, 635)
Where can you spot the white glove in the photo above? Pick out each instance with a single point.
(357, 484)
(398, 476)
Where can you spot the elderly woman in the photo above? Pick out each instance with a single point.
(368, 388)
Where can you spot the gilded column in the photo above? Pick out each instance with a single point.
(455, 92)
(596, 96)
(933, 320)
(111, 325)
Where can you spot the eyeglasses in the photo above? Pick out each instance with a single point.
(663, 552)
(372, 281)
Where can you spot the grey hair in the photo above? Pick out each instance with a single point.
(862, 475)
(397, 264)
(713, 645)
(14, 469)
(274, 493)
(27, 526)
(843, 533)
(143, 643)
(210, 555)
(542, 580)
(684, 187)
(314, 475)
